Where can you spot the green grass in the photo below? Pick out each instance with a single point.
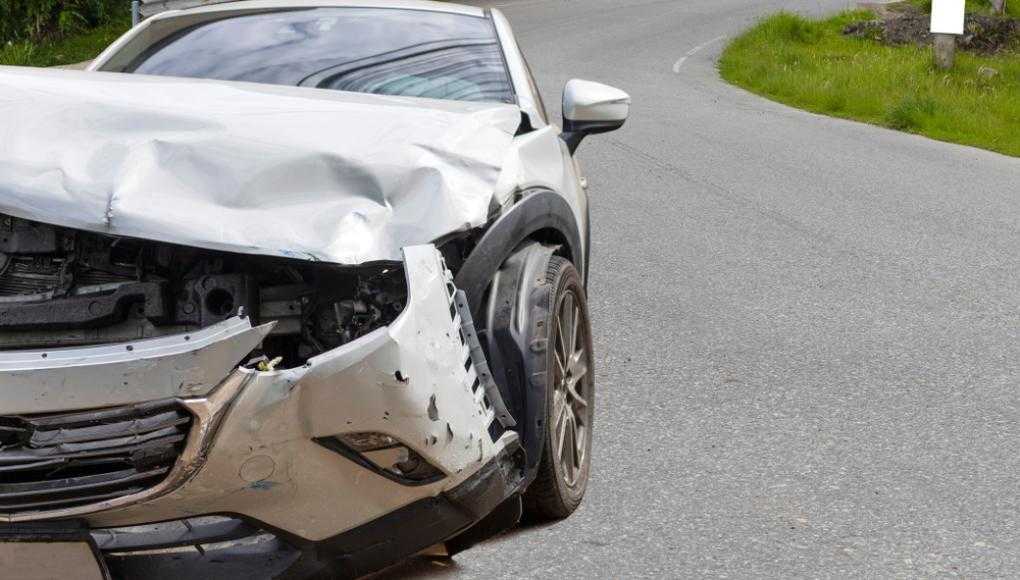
(1012, 6)
(812, 65)
(68, 50)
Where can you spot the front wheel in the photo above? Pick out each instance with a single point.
(570, 397)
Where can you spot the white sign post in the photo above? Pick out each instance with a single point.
(947, 20)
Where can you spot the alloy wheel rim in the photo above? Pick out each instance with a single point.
(571, 394)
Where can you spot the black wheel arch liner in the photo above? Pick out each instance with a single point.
(515, 342)
(498, 278)
(539, 214)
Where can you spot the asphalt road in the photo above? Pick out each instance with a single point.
(808, 330)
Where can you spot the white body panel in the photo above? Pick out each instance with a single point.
(69, 379)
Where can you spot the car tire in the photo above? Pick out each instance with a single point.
(565, 466)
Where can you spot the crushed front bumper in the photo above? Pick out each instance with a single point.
(251, 450)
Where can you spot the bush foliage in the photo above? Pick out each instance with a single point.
(35, 20)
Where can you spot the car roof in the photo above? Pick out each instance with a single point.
(427, 5)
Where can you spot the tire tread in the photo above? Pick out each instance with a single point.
(544, 499)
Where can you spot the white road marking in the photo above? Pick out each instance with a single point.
(693, 51)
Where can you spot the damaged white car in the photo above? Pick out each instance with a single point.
(297, 285)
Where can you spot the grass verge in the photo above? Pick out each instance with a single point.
(982, 6)
(67, 50)
(811, 65)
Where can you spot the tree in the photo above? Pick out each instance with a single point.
(999, 6)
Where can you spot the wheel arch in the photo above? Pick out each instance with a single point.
(541, 215)
(517, 246)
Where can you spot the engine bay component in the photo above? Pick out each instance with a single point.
(62, 287)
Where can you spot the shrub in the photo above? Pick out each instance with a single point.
(911, 112)
(33, 20)
(788, 26)
(17, 54)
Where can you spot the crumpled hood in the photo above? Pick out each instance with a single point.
(240, 167)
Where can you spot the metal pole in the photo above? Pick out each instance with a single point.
(136, 12)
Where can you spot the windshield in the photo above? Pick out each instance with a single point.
(366, 50)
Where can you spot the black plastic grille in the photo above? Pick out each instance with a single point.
(56, 461)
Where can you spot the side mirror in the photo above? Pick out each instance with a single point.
(590, 108)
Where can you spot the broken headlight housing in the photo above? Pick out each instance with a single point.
(384, 455)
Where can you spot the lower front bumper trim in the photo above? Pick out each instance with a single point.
(227, 546)
(413, 528)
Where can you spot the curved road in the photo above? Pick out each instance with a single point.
(807, 329)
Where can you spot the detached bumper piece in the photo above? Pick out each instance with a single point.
(70, 459)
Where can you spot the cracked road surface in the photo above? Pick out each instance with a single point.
(806, 328)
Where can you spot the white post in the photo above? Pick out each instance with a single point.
(947, 21)
(136, 12)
